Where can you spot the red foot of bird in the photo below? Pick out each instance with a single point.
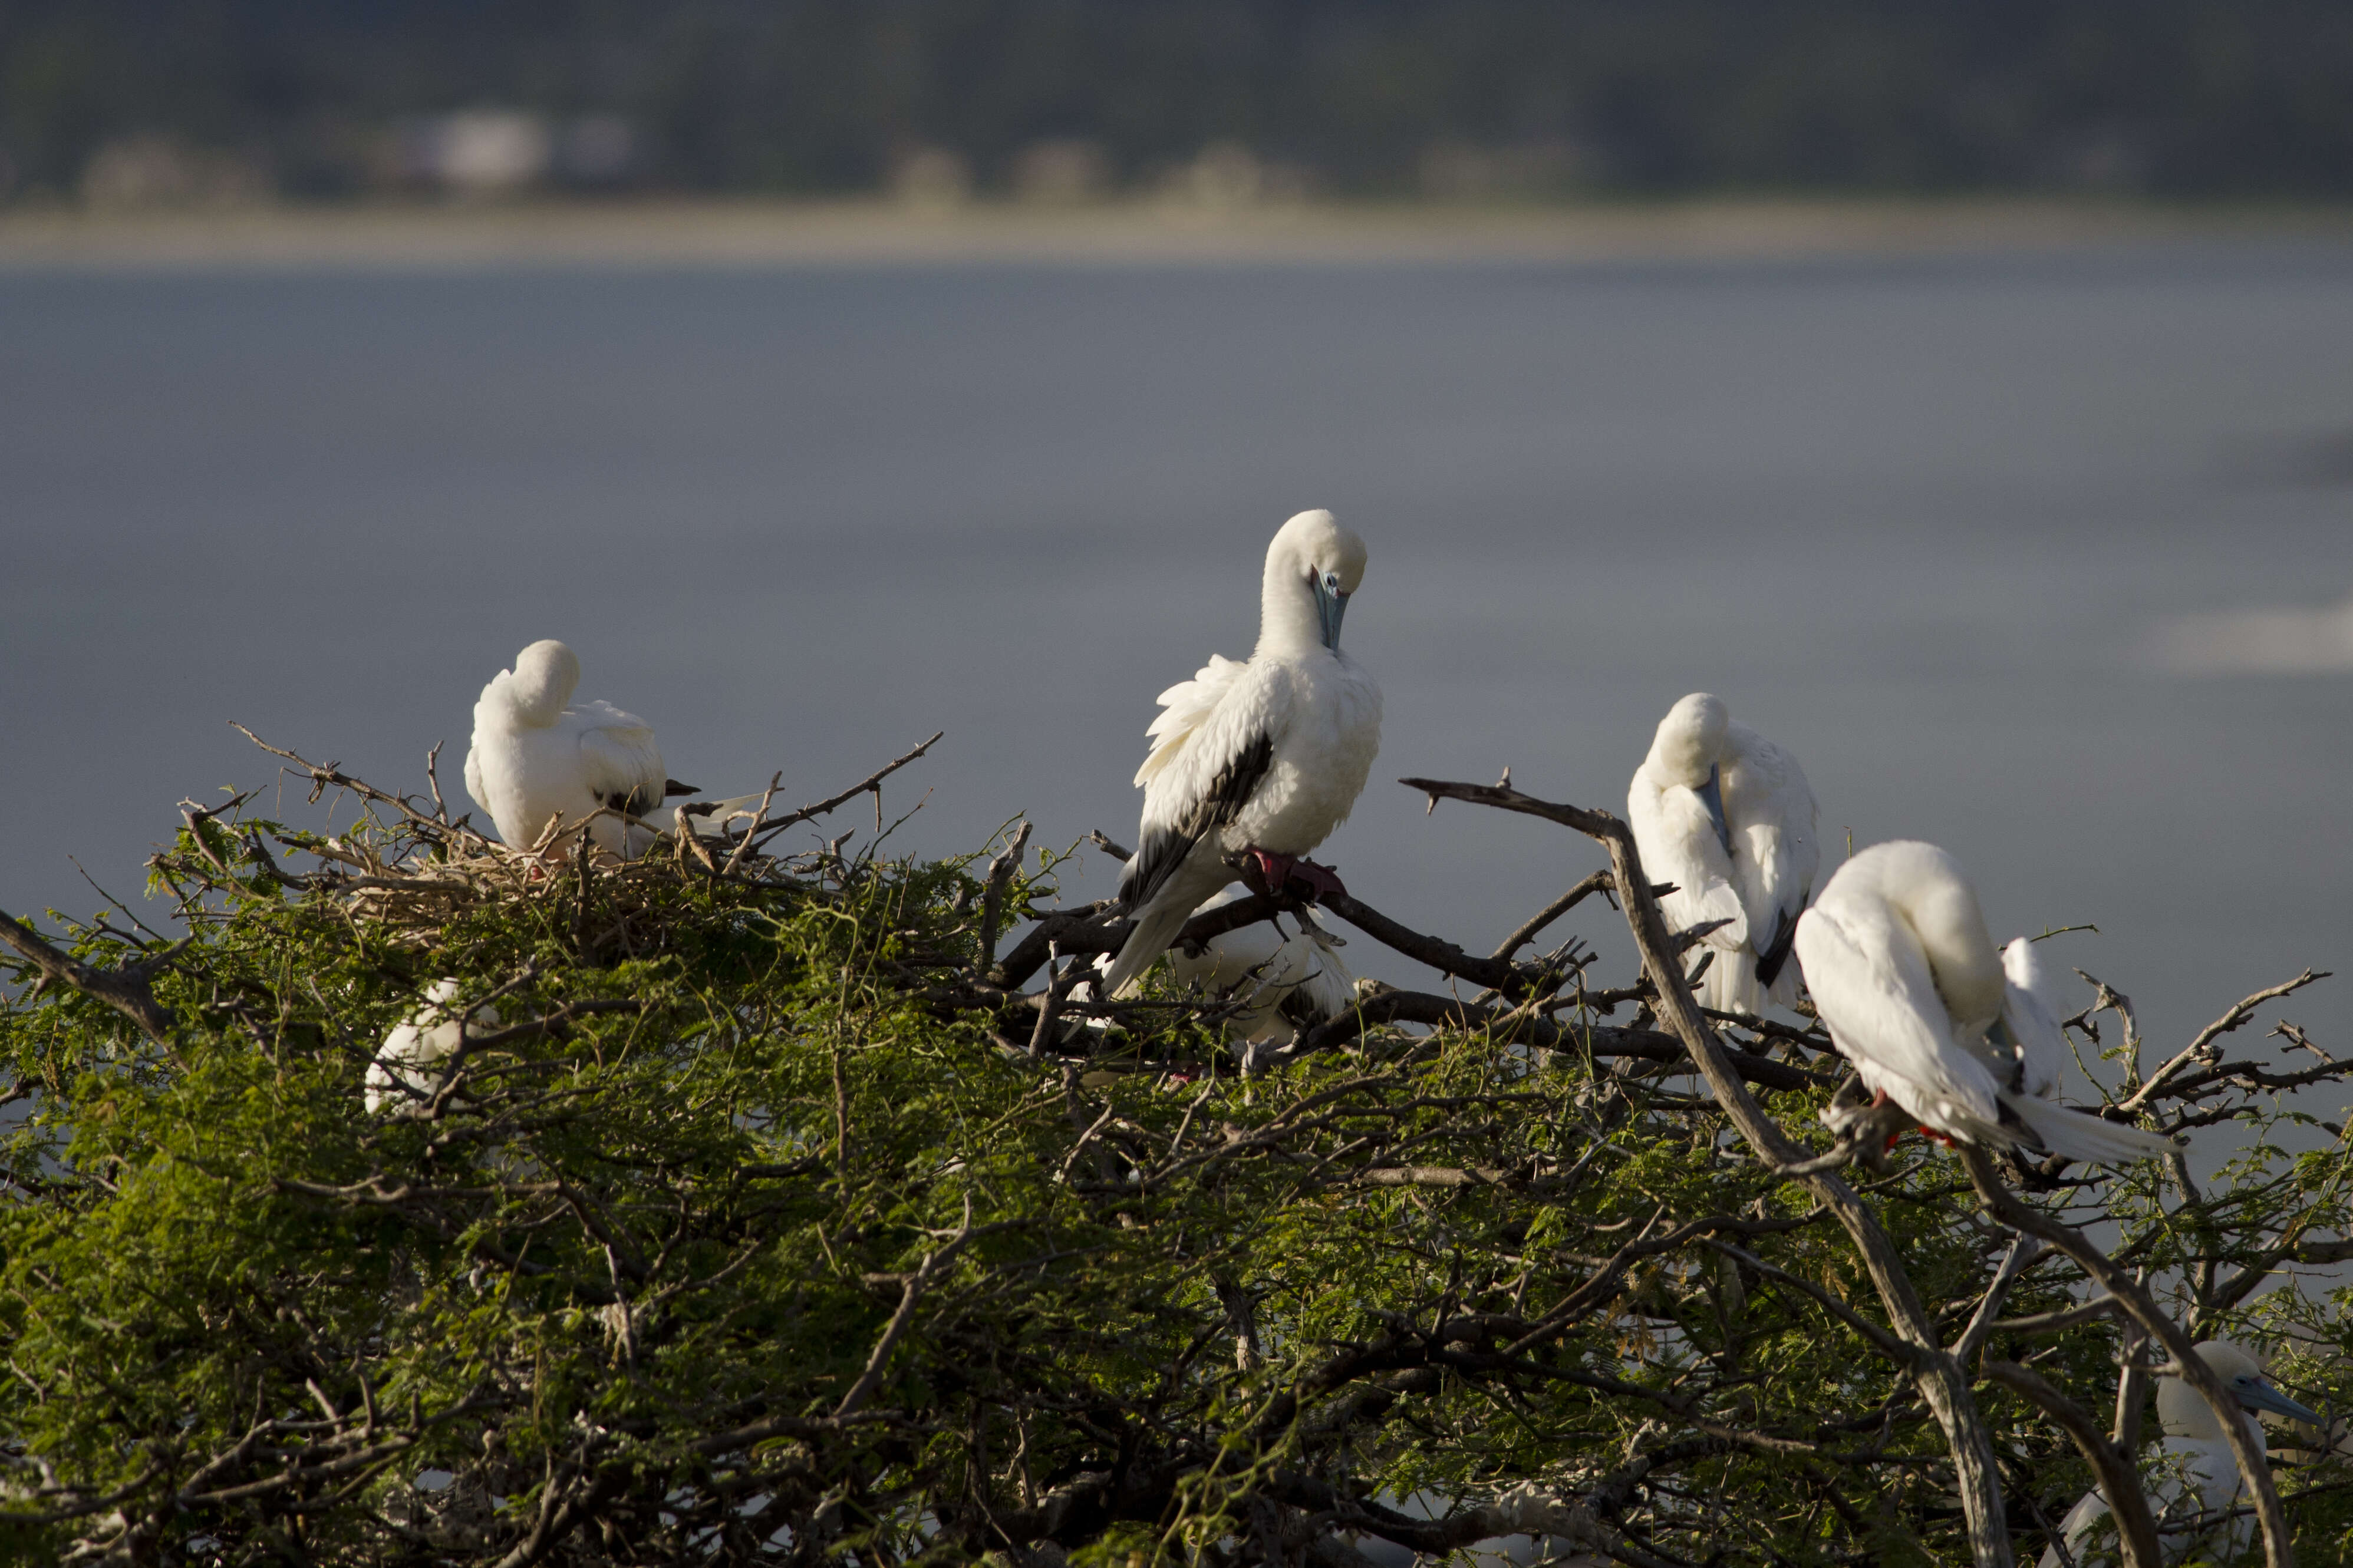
(1279, 871)
(1877, 1100)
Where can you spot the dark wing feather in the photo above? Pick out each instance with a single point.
(1785, 937)
(1165, 848)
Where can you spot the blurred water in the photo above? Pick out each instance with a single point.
(1917, 520)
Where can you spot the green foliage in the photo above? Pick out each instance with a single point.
(752, 1232)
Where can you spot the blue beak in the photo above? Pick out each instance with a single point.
(1712, 792)
(2256, 1394)
(1330, 606)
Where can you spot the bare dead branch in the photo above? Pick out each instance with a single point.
(2119, 1483)
(1598, 1040)
(2198, 1048)
(1597, 882)
(129, 990)
(992, 896)
(872, 784)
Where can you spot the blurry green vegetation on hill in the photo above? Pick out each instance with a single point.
(1224, 100)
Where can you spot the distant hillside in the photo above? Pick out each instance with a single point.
(144, 100)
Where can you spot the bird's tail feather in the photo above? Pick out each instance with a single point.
(2079, 1136)
(1730, 984)
(1330, 991)
(725, 819)
(1157, 926)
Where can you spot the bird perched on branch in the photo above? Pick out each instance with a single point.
(1897, 955)
(405, 1066)
(2195, 1472)
(535, 760)
(1726, 816)
(1283, 981)
(1262, 758)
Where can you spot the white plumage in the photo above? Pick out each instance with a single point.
(406, 1065)
(1283, 979)
(2195, 1472)
(2032, 1018)
(1727, 816)
(1897, 955)
(534, 758)
(1268, 755)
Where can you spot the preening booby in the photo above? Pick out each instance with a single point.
(406, 1065)
(1284, 981)
(2195, 1472)
(534, 758)
(1266, 756)
(1902, 971)
(1726, 816)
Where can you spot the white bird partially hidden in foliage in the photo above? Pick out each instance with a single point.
(1904, 975)
(408, 1065)
(534, 758)
(1266, 757)
(1283, 981)
(2194, 1472)
(1727, 816)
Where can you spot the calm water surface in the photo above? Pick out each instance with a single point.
(1917, 520)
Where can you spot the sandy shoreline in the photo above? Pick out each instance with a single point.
(782, 233)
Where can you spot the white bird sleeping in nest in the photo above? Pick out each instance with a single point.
(537, 760)
(1264, 758)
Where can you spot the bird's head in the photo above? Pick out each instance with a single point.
(2186, 1413)
(544, 675)
(1690, 741)
(1314, 560)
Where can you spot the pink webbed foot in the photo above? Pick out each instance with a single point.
(1277, 872)
(1876, 1102)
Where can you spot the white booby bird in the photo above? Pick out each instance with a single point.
(1283, 981)
(1726, 816)
(1897, 955)
(2195, 1472)
(1266, 756)
(405, 1066)
(534, 759)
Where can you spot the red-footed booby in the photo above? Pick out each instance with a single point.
(1902, 971)
(1283, 981)
(2195, 1472)
(404, 1068)
(1727, 816)
(1266, 756)
(534, 758)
